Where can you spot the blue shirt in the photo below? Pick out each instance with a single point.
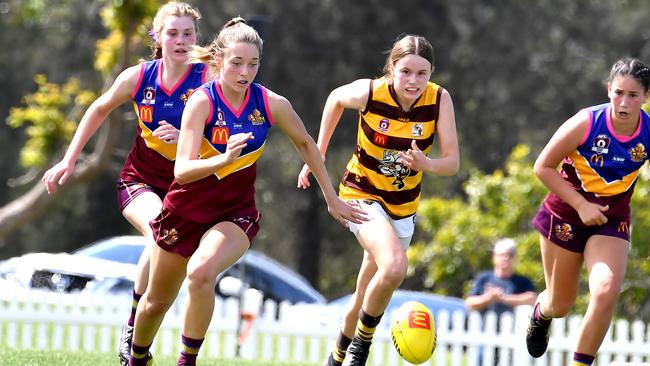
(515, 284)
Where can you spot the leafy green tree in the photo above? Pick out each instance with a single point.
(460, 231)
(50, 114)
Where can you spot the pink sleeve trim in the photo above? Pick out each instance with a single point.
(137, 85)
(211, 106)
(266, 105)
(588, 131)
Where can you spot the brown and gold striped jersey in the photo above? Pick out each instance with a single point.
(375, 172)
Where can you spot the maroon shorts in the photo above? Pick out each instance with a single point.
(178, 235)
(127, 190)
(573, 237)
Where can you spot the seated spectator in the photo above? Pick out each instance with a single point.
(501, 289)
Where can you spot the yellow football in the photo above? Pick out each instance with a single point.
(413, 330)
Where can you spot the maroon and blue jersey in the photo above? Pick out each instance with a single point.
(232, 187)
(605, 166)
(151, 160)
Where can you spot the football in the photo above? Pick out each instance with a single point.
(413, 330)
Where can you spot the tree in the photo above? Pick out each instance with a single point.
(51, 112)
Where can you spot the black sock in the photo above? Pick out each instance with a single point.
(366, 326)
(341, 348)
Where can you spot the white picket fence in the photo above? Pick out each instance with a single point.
(46, 320)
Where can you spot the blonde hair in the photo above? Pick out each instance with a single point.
(234, 31)
(409, 44)
(172, 8)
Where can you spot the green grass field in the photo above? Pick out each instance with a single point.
(14, 357)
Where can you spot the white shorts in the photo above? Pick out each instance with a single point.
(404, 228)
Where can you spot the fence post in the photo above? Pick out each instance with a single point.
(520, 355)
(281, 328)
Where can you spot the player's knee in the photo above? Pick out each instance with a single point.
(155, 306)
(395, 273)
(604, 292)
(200, 281)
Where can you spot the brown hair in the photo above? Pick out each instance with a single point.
(234, 31)
(632, 67)
(172, 8)
(409, 44)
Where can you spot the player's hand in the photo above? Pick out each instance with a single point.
(57, 175)
(236, 143)
(592, 214)
(414, 158)
(346, 212)
(303, 177)
(166, 132)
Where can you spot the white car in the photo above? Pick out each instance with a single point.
(109, 266)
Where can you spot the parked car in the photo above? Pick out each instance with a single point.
(109, 266)
(434, 302)
(332, 313)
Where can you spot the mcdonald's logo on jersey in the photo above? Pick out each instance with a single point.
(220, 135)
(597, 159)
(379, 139)
(146, 113)
(419, 319)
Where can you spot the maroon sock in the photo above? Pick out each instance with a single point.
(134, 306)
(583, 358)
(139, 355)
(540, 317)
(190, 351)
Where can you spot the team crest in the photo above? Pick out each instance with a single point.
(221, 120)
(564, 232)
(601, 144)
(638, 153)
(169, 236)
(256, 117)
(391, 166)
(185, 96)
(417, 130)
(149, 95)
(384, 124)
